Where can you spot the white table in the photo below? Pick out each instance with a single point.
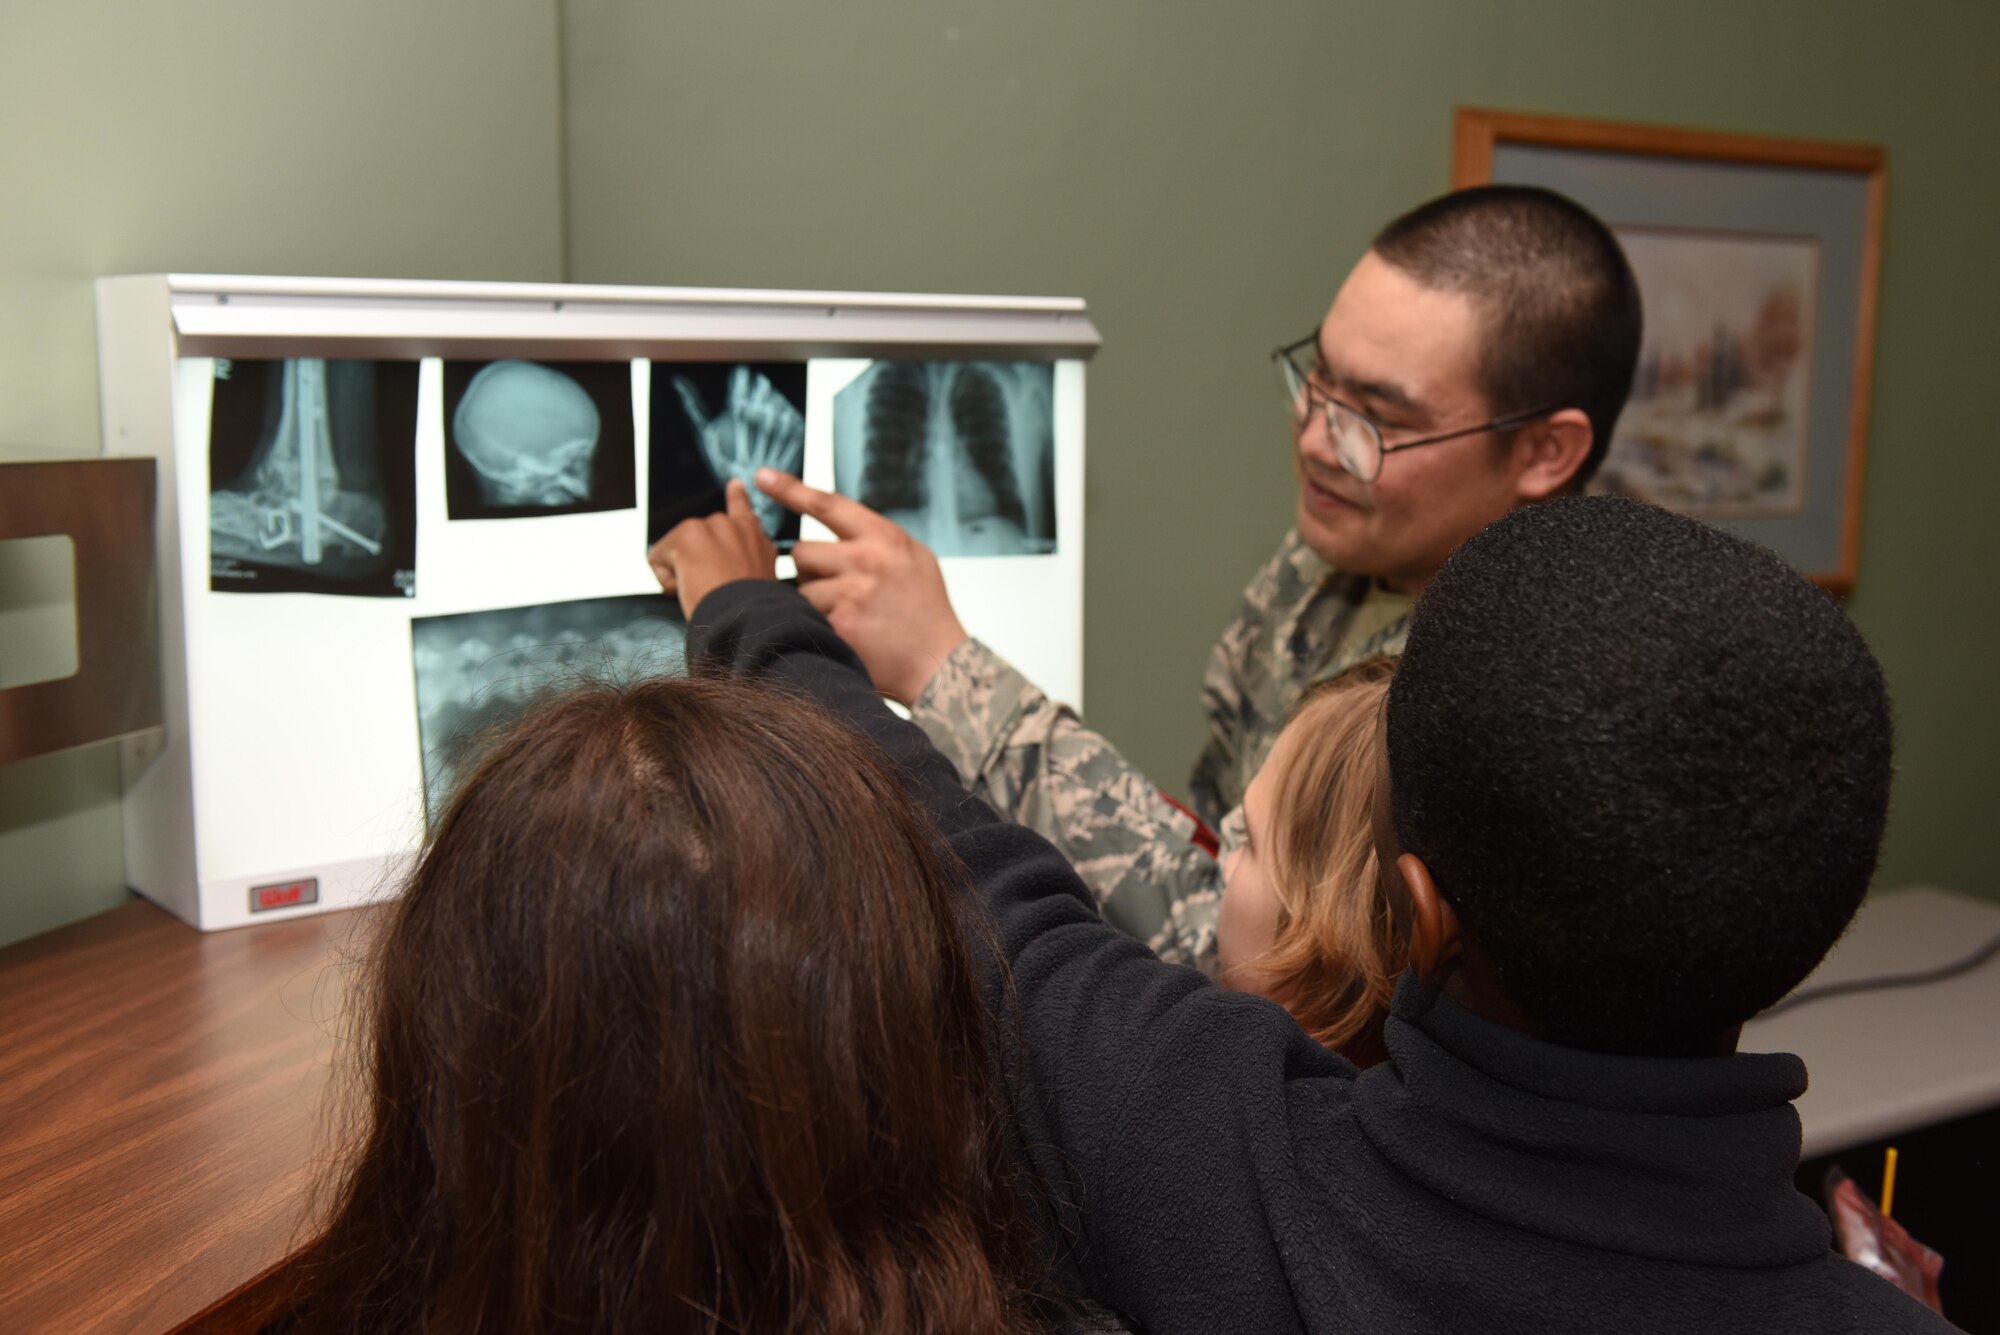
(1885, 1062)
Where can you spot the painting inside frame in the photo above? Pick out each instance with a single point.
(1757, 260)
(1718, 420)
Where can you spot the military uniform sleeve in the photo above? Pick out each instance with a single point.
(1230, 699)
(1211, 788)
(1033, 761)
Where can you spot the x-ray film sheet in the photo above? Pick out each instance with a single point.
(312, 474)
(538, 438)
(478, 671)
(712, 421)
(961, 454)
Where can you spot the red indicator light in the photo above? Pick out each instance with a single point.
(287, 894)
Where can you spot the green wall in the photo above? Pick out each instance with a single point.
(1205, 174)
(1202, 174)
(371, 137)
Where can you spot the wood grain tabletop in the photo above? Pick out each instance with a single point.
(166, 1113)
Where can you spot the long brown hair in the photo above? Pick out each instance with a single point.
(674, 1030)
(1339, 947)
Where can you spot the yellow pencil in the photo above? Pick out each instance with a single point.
(1888, 1180)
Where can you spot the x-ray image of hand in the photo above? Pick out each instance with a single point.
(757, 427)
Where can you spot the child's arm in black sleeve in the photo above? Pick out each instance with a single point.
(1158, 1097)
(762, 629)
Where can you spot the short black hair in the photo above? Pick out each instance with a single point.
(1554, 289)
(1645, 761)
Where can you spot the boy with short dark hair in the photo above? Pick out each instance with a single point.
(1629, 801)
(1650, 788)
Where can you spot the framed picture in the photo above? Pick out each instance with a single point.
(1756, 260)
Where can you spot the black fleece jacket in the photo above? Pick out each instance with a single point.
(1232, 1175)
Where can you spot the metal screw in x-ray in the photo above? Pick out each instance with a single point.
(305, 402)
(298, 474)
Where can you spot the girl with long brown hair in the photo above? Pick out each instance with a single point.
(674, 1029)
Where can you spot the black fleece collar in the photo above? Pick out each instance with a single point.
(1676, 1159)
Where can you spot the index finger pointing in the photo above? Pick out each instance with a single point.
(736, 501)
(847, 518)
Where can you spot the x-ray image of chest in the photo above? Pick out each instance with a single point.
(712, 421)
(961, 454)
(312, 477)
(536, 438)
(478, 671)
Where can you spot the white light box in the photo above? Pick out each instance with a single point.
(392, 512)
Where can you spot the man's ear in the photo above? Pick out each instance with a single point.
(1434, 932)
(1550, 451)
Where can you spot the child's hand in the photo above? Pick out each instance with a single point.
(701, 555)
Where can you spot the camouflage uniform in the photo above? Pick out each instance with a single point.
(1036, 763)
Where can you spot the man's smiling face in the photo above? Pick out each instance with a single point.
(1407, 356)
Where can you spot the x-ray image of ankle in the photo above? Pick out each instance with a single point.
(293, 506)
(756, 427)
(530, 434)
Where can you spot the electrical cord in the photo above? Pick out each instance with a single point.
(1886, 981)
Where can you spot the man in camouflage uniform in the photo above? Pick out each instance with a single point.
(1499, 325)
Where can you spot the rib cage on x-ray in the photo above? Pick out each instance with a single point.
(947, 447)
(898, 477)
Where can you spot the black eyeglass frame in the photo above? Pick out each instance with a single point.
(1282, 358)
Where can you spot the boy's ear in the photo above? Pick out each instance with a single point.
(1435, 941)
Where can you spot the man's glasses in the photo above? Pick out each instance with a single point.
(1357, 439)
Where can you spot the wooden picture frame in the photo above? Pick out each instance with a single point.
(1740, 242)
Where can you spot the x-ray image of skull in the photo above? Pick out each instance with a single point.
(529, 439)
(961, 454)
(311, 468)
(530, 433)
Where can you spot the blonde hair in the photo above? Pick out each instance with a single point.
(1339, 947)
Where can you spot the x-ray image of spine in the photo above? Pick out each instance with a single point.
(531, 439)
(713, 421)
(311, 467)
(961, 454)
(476, 671)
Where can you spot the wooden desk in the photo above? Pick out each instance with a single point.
(165, 1113)
(1882, 1063)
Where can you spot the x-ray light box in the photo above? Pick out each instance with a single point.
(391, 513)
